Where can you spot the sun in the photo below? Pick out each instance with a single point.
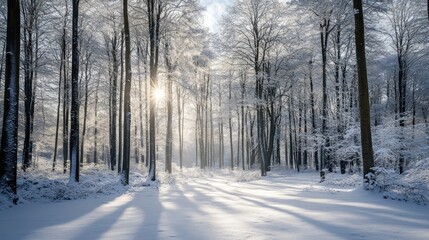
(158, 94)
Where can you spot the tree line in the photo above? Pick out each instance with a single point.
(281, 83)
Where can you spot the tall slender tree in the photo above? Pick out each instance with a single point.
(169, 99)
(62, 77)
(9, 139)
(364, 108)
(74, 114)
(87, 78)
(66, 92)
(112, 45)
(31, 14)
(127, 98)
(154, 11)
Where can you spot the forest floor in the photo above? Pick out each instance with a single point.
(283, 205)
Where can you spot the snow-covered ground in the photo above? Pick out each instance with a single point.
(223, 205)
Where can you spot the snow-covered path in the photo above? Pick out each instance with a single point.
(276, 207)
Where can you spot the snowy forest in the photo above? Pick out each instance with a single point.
(102, 98)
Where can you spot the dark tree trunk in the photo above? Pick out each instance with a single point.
(154, 15)
(180, 118)
(85, 108)
(365, 119)
(120, 113)
(112, 49)
(74, 113)
(30, 14)
(211, 128)
(243, 90)
(62, 62)
(2, 61)
(324, 35)
(305, 157)
(252, 142)
(127, 97)
(142, 54)
(297, 153)
(260, 124)
(337, 78)
(402, 88)
(9, 140)
(66, 97)
(291, 152)
(169, 100)
(313, 115)
(231, 147)
(96, 121)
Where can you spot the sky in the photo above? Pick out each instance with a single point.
(213, 13)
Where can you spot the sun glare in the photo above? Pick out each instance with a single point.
(158, 94)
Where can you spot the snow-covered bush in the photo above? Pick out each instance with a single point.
(343, 180)
(246, 176)
(413, 185)
(385, 157)
(349, 149)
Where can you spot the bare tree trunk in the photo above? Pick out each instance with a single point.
(230, 126)
(147, 86)
(33, 102)
(30, 15)
(154, 15)
(169, 100)
(291, 152)
(300, 135)
(85, 109)
(313, 115)
(9, 139)
(136, 144)
(66, 97)
(402, 88)
(2, 62)
(242, 126)
(365, 119)
(54, 161)
(127, 97)
(196, 134)
(221, 137)
(180, 113)
(142, 56)
(206, 118)
(112, 44)
(74, 113)
(286, 144)
(305, 157)
(96, 121)
(324, 41)
(252, 142)
(211, 128)
(295, 139)
(238, 138)
(337, 78)
(120, 113)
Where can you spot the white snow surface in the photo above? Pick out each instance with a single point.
(223, 204)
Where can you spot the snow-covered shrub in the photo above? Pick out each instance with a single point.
(349, 153)
(413, 185)
(349, 149)
(246, 176)
(385, 157)
(342, 180)
(384, 178)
